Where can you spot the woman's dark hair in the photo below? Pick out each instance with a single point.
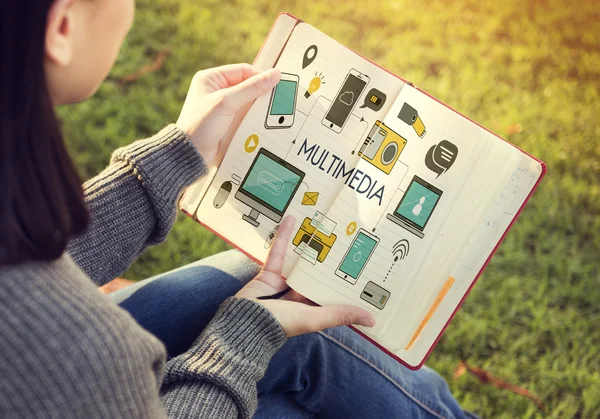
(41, 198)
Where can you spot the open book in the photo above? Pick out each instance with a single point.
(400, 201)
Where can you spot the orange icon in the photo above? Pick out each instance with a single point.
(351, 228)
(251, 143)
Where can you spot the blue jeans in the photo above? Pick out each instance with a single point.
(334, 373)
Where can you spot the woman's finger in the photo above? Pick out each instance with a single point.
(298, 298)
(276, 258)
(248, 90)
(319, 318)
(228, 75)
(235, 74)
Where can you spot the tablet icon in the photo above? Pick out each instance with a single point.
(357, 256)
(282, 105)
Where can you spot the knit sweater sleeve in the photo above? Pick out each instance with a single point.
(67, 351)
(217, 377)
(132, 203)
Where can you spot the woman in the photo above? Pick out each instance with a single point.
(66, 351)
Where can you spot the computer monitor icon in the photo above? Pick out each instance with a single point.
(268, 187)
(416, 206)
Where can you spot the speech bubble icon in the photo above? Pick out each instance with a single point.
(374, 100)
(441, 157)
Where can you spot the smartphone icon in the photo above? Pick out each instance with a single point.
(282, 106)
(345, 100)
(357, 256)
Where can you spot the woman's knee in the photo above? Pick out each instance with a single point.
(231, 262)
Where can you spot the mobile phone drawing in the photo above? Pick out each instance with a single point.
(357, 256)
(282, 105)
(345, 100)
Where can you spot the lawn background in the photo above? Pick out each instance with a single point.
(528, 70)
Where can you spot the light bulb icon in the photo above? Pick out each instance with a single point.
(314, 85)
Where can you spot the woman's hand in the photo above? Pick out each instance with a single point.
(215, 96)
(296, 314)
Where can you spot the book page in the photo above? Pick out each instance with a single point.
(519, 178)
(266, 58)
(297, 148)
(401, 247)
(418, 158)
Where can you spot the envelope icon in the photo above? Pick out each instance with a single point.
(310, 198)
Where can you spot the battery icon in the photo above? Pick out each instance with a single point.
(375, 295)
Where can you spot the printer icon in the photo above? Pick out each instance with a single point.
(313, 243)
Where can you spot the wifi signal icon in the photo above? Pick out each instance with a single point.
(400, 250)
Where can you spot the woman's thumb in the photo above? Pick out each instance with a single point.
(251, 88)
(339, 315)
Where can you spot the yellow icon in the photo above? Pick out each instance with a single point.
(251, 143)
(315, 239)
(382, 147)
(419, 127)
(373, 99)
(351, 228)
(409, 115)
(314, 85)
(310, 198)
(432, 309)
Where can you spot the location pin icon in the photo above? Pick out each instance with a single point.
(309, 56)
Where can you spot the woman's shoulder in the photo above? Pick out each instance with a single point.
(65, 346)
(51, 311)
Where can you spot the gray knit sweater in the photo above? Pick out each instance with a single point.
(66, 351)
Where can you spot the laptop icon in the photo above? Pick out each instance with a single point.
(416, 206)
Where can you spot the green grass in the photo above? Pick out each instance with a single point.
(533, 317)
